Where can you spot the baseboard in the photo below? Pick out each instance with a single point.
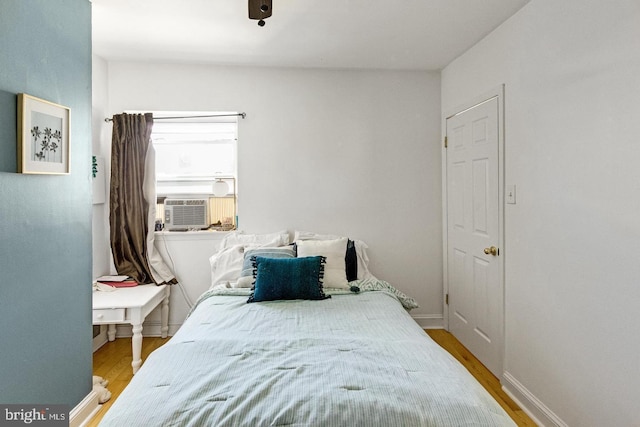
(531, 405)
(429, 321)
(84, 411)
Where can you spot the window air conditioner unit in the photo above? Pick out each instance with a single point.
(185, 214)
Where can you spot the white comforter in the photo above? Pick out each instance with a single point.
(352, 360)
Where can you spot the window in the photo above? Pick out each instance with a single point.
(196, 158)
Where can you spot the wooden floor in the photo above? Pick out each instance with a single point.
(113, 362)
(482, 374)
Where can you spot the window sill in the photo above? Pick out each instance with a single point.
(190, 235)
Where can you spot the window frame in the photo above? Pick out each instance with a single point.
(199, 186)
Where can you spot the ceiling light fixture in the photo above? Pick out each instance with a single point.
(259, 9)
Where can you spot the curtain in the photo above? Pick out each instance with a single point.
(132, 193)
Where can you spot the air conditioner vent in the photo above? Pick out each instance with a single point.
(182, 202)
(185, 214)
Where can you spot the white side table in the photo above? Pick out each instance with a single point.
(131, 305)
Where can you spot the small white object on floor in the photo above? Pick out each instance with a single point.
(100, 388)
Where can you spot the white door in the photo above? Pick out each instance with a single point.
(474, 262)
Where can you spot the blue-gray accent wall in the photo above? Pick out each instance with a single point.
(45, 220)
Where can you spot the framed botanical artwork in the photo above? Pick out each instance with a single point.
(43, 136)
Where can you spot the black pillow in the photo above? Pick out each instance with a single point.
(351, 261)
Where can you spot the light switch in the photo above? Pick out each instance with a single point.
(511, 194)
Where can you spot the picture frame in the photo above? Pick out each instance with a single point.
(43, 136)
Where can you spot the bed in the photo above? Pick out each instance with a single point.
(353, 357)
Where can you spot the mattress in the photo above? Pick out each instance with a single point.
(356, 359)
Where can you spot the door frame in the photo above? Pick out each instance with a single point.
(497, 92)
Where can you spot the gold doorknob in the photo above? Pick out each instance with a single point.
(491, 251)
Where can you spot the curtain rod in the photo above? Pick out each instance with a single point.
(243, 115)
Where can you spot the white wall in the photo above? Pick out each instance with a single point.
(99, 135)
(572, 76)
(355, 153)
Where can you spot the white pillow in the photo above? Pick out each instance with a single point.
(361, 250)
(280, 238)
(335, 275)
(246, 276)
(226, 265)
(243, 282)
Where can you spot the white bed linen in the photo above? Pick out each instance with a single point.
(352, 360)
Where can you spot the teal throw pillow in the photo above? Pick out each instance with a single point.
(288, 278)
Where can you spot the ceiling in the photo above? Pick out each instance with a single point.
(370, 34)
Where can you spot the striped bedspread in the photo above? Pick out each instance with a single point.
(351, 360)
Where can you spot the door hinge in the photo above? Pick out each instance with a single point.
(446, 299)
(445, 142)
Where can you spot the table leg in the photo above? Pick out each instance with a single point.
(164, 315)
(136, 347)
(111, 332)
